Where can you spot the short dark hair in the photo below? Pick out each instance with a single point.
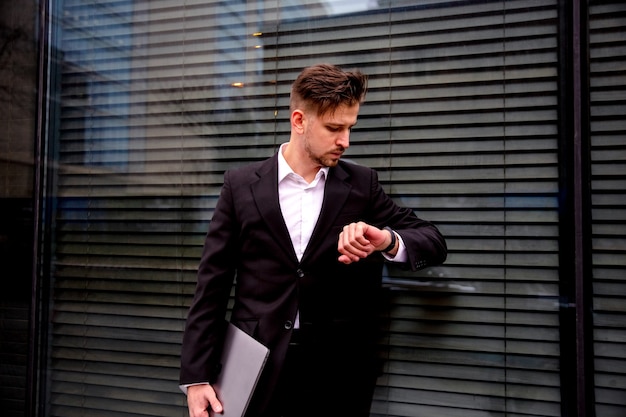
(324, 87)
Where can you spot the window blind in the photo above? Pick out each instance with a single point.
(472, 145)
(158, 98)
(466, 94)
(607, 38)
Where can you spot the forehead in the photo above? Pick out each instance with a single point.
(342, 115)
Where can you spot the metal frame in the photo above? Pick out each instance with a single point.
(576, 342)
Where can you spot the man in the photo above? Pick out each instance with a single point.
(306, 235)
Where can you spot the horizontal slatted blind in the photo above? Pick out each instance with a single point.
(140, 168)
(158, 98)
(607, 39)
(473, 147)
(460, 121)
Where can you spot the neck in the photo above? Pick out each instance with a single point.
(300, 163)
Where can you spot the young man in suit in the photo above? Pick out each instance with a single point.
(304, 235)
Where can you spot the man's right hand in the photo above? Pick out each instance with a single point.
(200, 398)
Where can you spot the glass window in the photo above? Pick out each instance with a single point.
(155, 99)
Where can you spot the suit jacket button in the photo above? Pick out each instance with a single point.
(300, 273)
(288, 325)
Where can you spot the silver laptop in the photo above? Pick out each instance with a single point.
(243, 360)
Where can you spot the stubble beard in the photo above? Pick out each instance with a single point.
(320, 160)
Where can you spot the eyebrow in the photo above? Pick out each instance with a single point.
(331, 124)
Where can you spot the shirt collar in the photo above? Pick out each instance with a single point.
(284, 169)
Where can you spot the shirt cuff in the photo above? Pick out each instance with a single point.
(401, 255)
(184, 387)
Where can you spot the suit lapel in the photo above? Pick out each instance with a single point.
(265, 194)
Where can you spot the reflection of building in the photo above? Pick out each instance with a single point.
(129, 109)
(18, 125)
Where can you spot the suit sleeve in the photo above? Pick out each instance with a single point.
(424, 242)
(205, 325)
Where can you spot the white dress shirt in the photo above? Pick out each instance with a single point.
(300, 202)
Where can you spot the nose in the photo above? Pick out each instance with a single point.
(343, 140)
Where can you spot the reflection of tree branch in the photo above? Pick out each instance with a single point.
(10, 36)
(16, 161)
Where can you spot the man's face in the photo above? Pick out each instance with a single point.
(327, 137)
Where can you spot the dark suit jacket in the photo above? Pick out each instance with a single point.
(248, 239)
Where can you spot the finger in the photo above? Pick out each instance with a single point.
(196, 409)
(198, 412)
(349, 247)
(356, 236)
(214, 403)
(200, 398)
(346, 253)
(348, 257)
(344, 259)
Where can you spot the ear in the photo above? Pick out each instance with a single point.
(297, 120)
